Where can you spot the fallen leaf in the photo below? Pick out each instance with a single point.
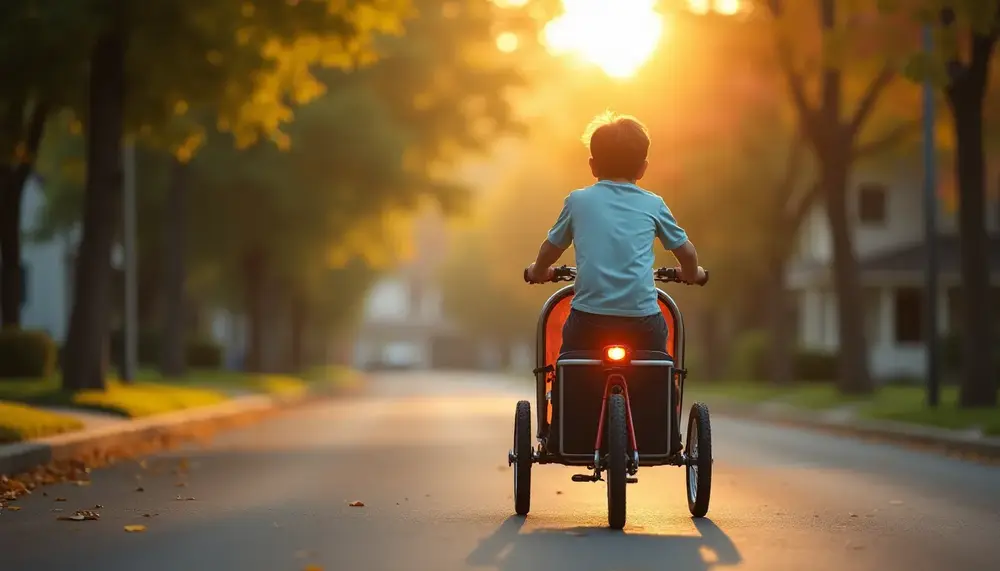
(854, 515)
(140, 489)
(180, 499)
(142, 464)
(81, 515)
(98, 506)
(149, 515)
(83, 483)
(181, 484)
(60, 499)
(135, 528)
(74, 517)
(357, 504)
(312, 568)
(57, 509)
(558, 492)
(13, 508)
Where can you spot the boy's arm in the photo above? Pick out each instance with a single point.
(559, 238)
(675, 239)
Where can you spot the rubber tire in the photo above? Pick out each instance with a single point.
(617, 438)
(700, 426)
(522, 466)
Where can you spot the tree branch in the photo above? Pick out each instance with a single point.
(796, 84)
(867, 104)
(889, 140)
(798, 207)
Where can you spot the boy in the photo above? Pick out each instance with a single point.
(613, 224)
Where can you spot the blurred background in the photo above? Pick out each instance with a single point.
(276, 187)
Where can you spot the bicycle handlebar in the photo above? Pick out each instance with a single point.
(665, 275)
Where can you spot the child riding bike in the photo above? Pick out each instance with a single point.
(613, 224)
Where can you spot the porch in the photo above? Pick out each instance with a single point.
(894, 310)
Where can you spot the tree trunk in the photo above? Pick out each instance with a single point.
(854, 377)
(12, 181)
(173, 363)
(254, 274)
(10, 249)
(89, 319)
(978, 388)
(782, 341)
(299, 323)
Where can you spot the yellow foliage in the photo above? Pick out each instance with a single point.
(263, 112)
(21, 422)
(381, 241)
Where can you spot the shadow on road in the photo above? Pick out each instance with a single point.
(601, 549)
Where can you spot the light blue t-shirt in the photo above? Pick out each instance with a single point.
(613, 226)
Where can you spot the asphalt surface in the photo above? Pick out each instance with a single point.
(427, 456)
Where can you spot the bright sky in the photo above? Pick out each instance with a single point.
(619, 36)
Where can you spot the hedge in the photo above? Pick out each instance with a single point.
(199, 353)
(751, 355)
(27, 354)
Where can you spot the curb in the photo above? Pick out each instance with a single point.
(941, 439)
(24, 456)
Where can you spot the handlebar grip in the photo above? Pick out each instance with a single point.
(704, 281)
(526, 276)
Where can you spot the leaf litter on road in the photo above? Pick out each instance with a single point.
(135, 528)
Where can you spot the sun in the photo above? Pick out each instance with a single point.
(618, 36)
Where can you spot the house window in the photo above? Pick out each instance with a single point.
(909, 310)
(872, 203)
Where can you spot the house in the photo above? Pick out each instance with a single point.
(48, 268)
(886, 210)
(403, 323)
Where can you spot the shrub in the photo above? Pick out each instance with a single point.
(951, 354)
(147, 345)
(750, 354)
(27, 354)
(811, 365)
(204, 354)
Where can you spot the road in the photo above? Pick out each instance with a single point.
(427, 456)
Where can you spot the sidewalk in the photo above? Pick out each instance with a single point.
(844, 420)
(106, 436)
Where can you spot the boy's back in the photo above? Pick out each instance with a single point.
(613, 226)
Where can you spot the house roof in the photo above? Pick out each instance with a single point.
(913, 257)
(903, 264)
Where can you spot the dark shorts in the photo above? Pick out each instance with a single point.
(587, 331)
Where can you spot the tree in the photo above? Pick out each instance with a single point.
(965, 36)
(834, 136)
(965, 89)
(38, 78)
(172, 62)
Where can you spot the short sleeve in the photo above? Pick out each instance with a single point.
(561, 233)
(668, 232)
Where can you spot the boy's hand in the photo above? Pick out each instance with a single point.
(539, 275)
(697, 278)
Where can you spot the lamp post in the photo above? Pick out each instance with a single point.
(930, 234)
(131, 356)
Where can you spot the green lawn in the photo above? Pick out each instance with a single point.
(898, 403)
